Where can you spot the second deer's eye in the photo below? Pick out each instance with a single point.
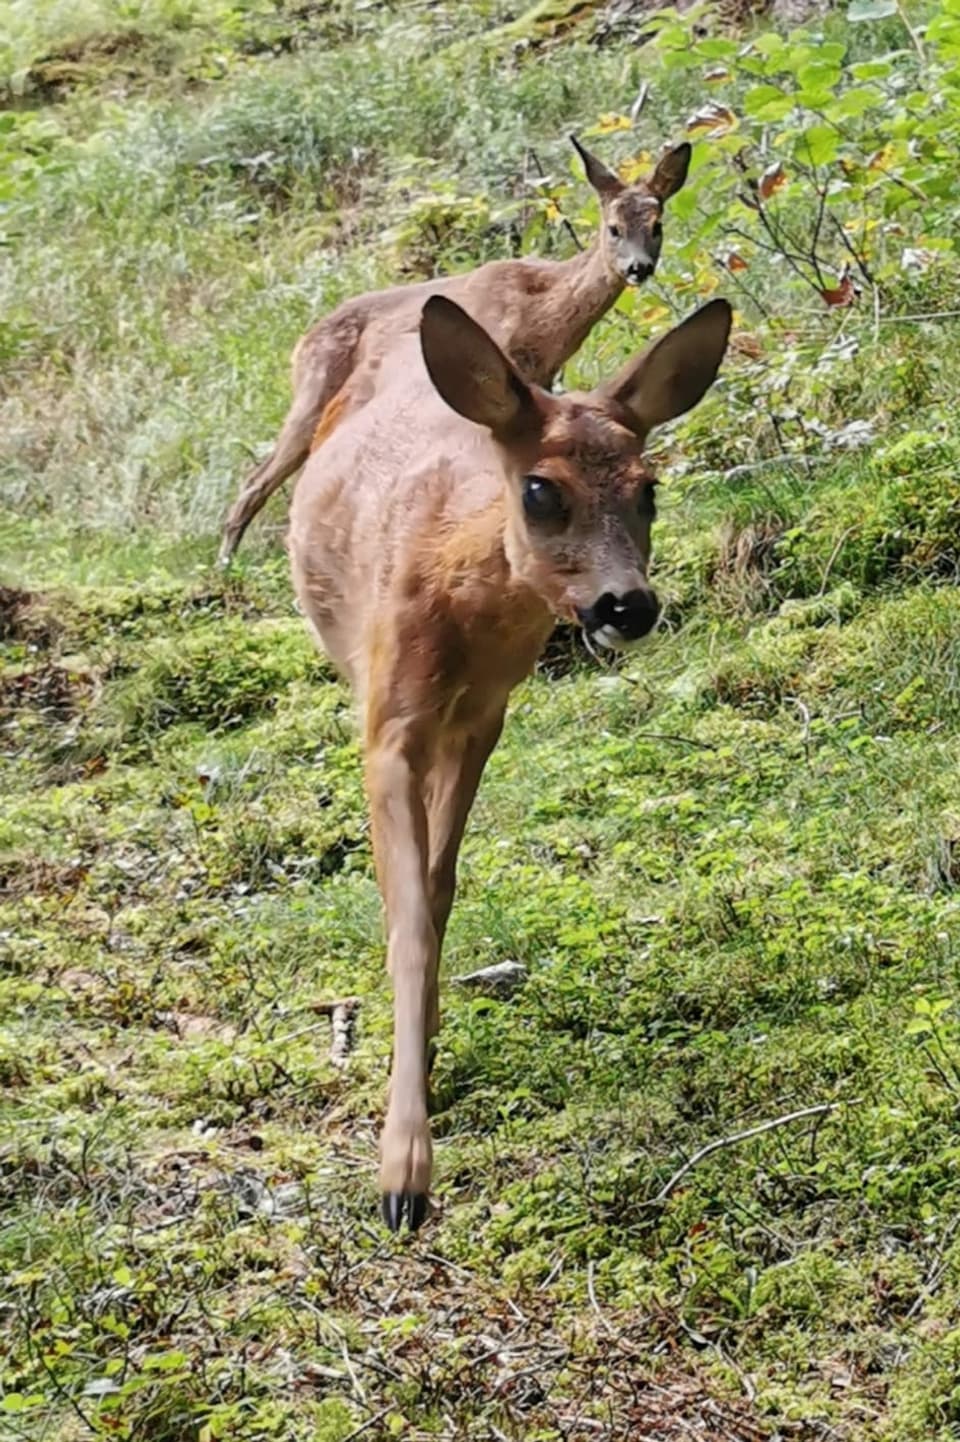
(543, 501)
(614, 231)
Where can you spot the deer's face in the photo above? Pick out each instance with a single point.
(632, 234)
(579, 528)
(631, 215)
(578, 493)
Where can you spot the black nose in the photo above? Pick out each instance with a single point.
(632, 614)
(640, 270)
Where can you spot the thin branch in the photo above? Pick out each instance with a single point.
(914, 36)
(833, 556)
(566, 223)
(595, 1304)
(370, 1422)
(667, 736)
(722, 1143)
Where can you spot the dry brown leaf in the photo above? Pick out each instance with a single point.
(713, 118)
(774, 178)
(844, 294)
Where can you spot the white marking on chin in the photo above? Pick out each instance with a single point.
(614, 641)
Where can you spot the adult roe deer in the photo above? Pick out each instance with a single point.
(540, 311)
(435, 534)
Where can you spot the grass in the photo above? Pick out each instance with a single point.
(730, 866)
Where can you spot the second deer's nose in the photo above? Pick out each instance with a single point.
(632, 614)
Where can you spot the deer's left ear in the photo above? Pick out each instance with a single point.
(676, 371)
(671, 171)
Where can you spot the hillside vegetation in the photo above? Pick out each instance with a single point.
(700, 1175)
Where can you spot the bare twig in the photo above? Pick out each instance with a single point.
(668, 736)
(722, 1143)
(370, 1422)
(914, 36)
(565, 222)
(833, 556)
(595, 1304)
(640, 102)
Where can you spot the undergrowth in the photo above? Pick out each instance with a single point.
(730, 867)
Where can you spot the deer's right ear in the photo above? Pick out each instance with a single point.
(470, 371)
(604, 181)
(676, 371)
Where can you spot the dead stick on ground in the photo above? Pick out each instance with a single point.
(723, 1142)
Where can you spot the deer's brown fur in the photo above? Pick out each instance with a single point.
(540, 311)
(435, 533)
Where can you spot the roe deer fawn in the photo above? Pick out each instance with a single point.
(540, 311)
(435, 535)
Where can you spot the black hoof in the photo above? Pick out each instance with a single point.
(400, 1206)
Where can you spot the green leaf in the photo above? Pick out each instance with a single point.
(818, 145)
(871, 10)
(871, 70)
(21, 1401)
(856, 102)
(164, 1361)
(767, 102)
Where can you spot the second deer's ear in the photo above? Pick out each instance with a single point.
(676, 371)
(604, 181)
(471, 372)
(671, 171)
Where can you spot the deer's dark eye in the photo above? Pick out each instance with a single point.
(614, 231)
(543, 502)
(656, 230)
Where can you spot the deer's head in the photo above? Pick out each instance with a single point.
(631, 231)
(579, 496)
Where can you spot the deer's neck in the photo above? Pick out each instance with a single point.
(581, 291)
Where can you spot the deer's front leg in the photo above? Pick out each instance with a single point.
(451, 785)
(400, 847)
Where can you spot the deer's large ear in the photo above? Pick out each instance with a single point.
(470, 371)
(604, 181)
(671, 172)
(673, 374)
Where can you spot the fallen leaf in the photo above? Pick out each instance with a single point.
(844, 294)
(714, 118)
(733, 260)
(774, 178)
(609, 123)
(747, 345)
(719, 72)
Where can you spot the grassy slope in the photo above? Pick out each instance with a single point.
(731, 867)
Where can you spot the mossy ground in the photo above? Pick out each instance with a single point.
(731, 865)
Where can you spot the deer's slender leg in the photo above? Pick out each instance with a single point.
(399, 834)
(451, 786)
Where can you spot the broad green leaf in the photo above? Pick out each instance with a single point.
(871, 70)
(818, 145)
(871, 10)
(856, 102)
(717, 49)
(767, 102)
(818, 75)
(164, 1361)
